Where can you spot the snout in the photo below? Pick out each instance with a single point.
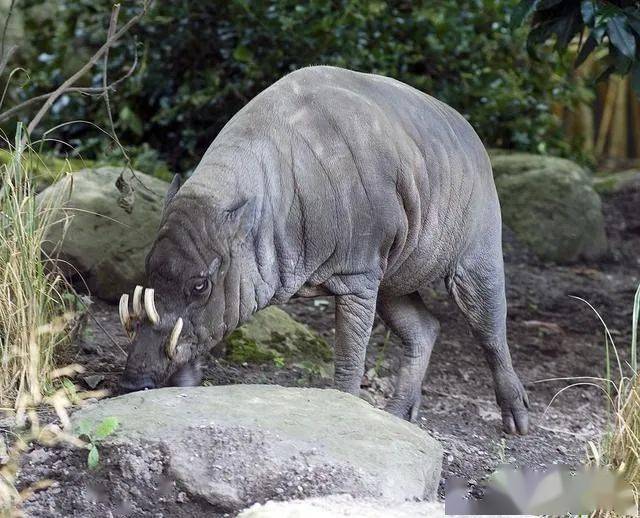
(130, 384)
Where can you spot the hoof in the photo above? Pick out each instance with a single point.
(405, 408)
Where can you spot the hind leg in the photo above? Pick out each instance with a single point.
(477, 285)
(409, 319)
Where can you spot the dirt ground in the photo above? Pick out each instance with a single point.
(551, 336)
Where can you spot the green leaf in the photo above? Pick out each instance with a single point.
(572, 26)
(106, 427)
(587, 48)
(522, 11)
(242, 53)
(547, 4)
(621, 37)
(634, 23)
(598, 33)
(84, 428)
(130, 120)
(588, 10)
(93, 459)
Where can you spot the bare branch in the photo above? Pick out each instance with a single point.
(18, 107)
(4, 30)
(53, 97)
(97, 90)
(113, 23)
(5, 59)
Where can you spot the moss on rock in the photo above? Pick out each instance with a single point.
(518, 163)
(272, 336)
(47, 169)
(617, 182)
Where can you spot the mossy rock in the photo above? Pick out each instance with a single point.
(104, 243)
(47, 169)
(504, 163)
(551, 206)
(273, 337)
(617, 182)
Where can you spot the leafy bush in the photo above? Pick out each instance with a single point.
(611, 25)
(200, 61)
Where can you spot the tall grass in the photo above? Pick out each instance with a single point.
(619, 449)
(33, 308)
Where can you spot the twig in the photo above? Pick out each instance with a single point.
(112, 27)
(95, 319)
(53, 97)
(5, 59)
(73, 89)
(4, 29)
(113, 23)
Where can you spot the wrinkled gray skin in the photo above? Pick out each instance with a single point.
(333, 182)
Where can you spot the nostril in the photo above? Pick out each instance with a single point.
(134, 384)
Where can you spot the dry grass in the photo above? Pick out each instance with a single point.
(34, 311)
(619, 449)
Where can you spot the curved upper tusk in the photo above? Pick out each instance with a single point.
(173, 339)
(150, 306)
(123, 310)
(137, 302)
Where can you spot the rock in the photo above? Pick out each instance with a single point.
(514, 163)
(343, 505)
(232, 446)
(104, 243)
(46, 169)
(272, 336)
(617, 182)
(551, 206)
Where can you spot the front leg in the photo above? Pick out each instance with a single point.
(354, 319)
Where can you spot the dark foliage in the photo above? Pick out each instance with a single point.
(201, 60)
(610, 24)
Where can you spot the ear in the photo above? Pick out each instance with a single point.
(173, 190)
(239, 221)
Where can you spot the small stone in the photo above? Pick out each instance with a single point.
(562, 449)
(93, 381)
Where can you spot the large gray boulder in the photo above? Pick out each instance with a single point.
(232, 446)
(104, 243)
(551, 206)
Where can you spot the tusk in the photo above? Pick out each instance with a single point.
(123, 310)
(150, 306)
(137, 302)
(173, 339)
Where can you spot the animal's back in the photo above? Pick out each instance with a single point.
(372, 169)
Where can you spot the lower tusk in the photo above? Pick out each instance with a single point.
(173, 339)
(137, 302)
(150, 306)
(123, 310)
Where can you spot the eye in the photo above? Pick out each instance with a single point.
(200, 286)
